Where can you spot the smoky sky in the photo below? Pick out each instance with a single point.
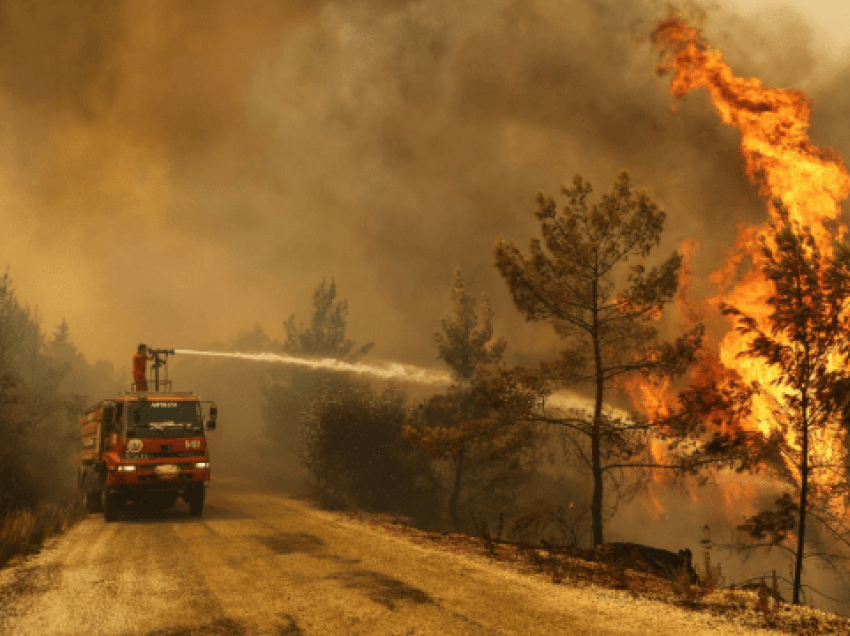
(174, 173)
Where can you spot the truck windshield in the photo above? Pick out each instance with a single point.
(163, 418)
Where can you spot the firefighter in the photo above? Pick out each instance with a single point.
(140, 359)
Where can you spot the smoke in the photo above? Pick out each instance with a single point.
(393, 371)
(176, 173)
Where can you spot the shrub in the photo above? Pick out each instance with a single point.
(24, 531)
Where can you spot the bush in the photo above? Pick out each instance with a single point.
(24, 531)
(358, 457)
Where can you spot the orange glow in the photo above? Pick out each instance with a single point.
(774, 124)
(809, 181)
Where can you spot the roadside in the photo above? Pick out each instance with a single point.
(757, 608)
(23, 532)
(258, 563)
(261, 562)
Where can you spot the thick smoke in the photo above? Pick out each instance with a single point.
(175, 173)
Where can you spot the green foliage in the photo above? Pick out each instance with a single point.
(43, 387)
(468, 431)
(326, 335)
(289, 398)
(462, 344)
(358, 457)
(481, 447)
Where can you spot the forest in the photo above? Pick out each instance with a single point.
(543, 453)
(45, 383)
(620, 415)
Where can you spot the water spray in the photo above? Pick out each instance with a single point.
(392, 371)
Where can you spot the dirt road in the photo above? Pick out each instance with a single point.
(260, 563)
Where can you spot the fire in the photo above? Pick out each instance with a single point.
(774, 123)
(810, 182)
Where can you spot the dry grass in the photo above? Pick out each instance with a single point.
(753, 608)
(23, 532)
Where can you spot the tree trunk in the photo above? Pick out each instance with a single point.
(456, 491)
(804, 493)
(596, 465)
(596, 432)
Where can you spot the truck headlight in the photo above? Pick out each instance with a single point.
(127, 468)
(202, 464)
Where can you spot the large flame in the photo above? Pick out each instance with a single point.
(810, 183)
(774, 123)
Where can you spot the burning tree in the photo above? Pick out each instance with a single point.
(790, 339)
(806, 339)
(611, 334)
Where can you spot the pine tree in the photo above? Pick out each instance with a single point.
(462, 345)
(806, 339)
(289, 399)
(570, 280)
(461, 427)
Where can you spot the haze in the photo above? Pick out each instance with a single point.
(176, 173)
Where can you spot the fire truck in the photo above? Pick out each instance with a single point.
(146, 448)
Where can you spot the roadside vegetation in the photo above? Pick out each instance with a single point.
(467, 459)
(44, 384)
(754, 604)
(23, 531)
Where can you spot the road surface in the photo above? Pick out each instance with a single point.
(262, 563)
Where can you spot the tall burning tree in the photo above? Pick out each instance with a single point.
(790, 308)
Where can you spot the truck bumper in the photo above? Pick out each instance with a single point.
(145, 485)
(150, 479)
(124, 493)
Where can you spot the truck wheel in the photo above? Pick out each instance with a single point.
(81, 489)
(196, 507)
(93, 503)
(196, 503)
(90, 499)
(163, 503)
(109, 505)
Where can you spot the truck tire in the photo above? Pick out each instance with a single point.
(109, 505)
(81, 489)
(93, 503)
(90, 499)
(196, 502)
(163, 503)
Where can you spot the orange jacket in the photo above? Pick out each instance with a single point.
(139, 365)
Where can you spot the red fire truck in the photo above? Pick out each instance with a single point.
(146, 447)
